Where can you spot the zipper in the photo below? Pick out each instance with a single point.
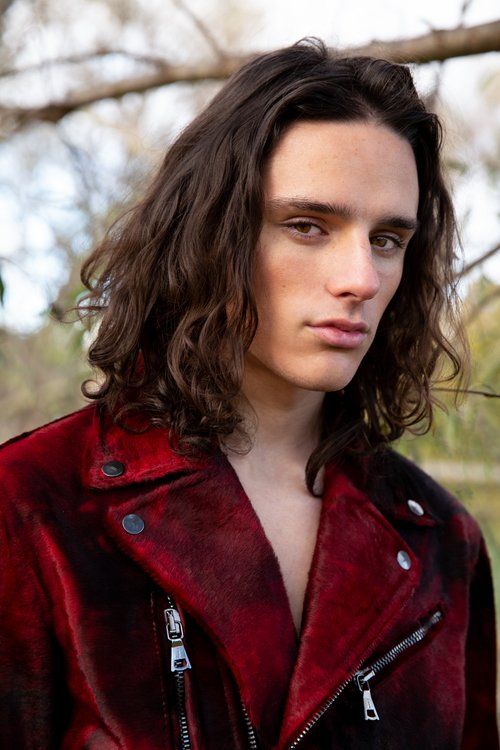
(252, 739)
(365, 675)
(362, 677)
(179, 662)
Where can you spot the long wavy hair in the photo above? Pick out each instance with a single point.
(170, 285)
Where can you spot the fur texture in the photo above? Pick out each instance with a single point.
(84, 661)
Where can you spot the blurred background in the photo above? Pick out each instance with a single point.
(91, 94)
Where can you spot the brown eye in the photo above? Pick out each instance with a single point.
(304, 229)
(388, 243)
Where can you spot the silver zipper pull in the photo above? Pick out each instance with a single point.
(368, 704)
(179, 660)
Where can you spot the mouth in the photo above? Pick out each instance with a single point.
(341, 333)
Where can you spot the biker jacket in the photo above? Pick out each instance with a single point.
(142, 606)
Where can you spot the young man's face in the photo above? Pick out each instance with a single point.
(339, 200)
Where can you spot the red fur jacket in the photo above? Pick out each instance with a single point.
(142, 607)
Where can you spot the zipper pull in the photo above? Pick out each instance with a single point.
(179, 660)
(368, 704)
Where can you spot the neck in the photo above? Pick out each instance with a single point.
(282, 421)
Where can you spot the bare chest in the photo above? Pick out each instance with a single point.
(290, 520)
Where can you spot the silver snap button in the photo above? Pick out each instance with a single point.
(113, 468)
(415, 507)
(404, 559)
(133, 524)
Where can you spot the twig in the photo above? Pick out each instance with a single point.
(472, 391)
(4, 6)
(476, 309)
(202, 28)
(83, 58)
(477, 261)
(464, 10)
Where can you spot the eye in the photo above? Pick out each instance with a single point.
(389, 243)
(304, 229)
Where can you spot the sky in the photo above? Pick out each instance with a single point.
(32, 283)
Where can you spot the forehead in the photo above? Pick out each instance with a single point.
(363, 165)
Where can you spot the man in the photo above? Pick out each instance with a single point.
(223, 552)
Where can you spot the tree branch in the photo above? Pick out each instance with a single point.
(479, 306)
(84, 57)
(464, 10)
(4, 6)
(472, 391)
(202, 28)
(437, 45)
(477, 261)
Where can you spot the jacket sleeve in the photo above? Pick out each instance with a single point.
(480, 726)
(30, 662)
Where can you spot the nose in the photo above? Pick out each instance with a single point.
(352, 270)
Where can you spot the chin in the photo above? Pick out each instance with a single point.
(330, 373)
(333, 377)
(325, 382)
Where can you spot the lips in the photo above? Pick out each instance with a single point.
(342, 325)
(343, 334)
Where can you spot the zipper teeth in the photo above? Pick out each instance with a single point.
(181, 697)
(319, 714)
(410, 640)
(414, 637)
(183, 724)
(252, 739)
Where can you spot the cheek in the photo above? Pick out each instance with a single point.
(390, 283)
(278, 286)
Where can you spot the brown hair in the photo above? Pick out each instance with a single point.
(167, 272)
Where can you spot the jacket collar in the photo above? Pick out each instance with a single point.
(203, 543)
(144, 453)
(148, 455)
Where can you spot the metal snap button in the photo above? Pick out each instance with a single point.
(133, 524)
(415, 507)
(404, 559)
(113, 468)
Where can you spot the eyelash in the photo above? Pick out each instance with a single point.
(397, 240)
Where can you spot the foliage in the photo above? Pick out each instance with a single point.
(469, 432)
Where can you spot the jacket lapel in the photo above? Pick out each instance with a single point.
(203, 544)
(356, 592)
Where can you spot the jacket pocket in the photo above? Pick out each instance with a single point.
(364, 675)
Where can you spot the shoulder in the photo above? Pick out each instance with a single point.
(47, 452)
(59, 424)
(401, 479)
(50, 434)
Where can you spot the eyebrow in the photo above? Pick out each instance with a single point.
(341, 210)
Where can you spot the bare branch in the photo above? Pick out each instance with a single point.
(20, 116)
(202, 28)
(84, 57)
(488, 394)
(5, 5)
(479, 306)
(464, 10)
(438, 45)
(477, 261)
